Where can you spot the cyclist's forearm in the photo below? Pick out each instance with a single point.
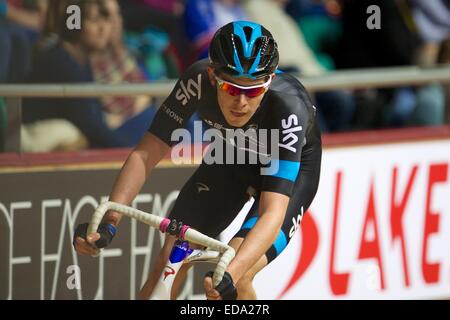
(128, 184)
(135, 171)
(261, 236)
(256, 243)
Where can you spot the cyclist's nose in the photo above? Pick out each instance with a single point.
(242, 100)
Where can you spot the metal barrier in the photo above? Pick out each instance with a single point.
(348, 79)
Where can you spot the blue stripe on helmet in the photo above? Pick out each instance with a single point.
(237, 63)
(238, 29)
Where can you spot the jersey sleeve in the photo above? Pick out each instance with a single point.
(175, 112)
(291, 121)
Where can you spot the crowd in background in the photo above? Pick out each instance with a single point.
(132, 41)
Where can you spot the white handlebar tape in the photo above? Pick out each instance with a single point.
(139, 215)
(154, 221)
(228, 252)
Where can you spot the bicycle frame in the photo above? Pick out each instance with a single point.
(181, 252)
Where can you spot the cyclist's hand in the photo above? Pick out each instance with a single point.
(90, 245)
(224, 291)
(86, 247)
(211, 293)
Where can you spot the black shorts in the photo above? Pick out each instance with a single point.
(215, 194)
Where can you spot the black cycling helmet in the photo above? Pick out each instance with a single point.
(244, 49)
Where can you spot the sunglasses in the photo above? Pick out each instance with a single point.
(236, 90)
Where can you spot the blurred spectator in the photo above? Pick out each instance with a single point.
(320, 24)
(432, 19)
(202, 18)
(130, 116)
(295, 54)
(19, 28)
(444, 58)
(396, 43)
(152, 47)
(335, 108)
(156, 16)
(63, 57)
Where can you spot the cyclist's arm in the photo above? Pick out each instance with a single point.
(135, 171)
(276, 187)
(172, 115)
(273, 208)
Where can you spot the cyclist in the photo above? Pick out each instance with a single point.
(237, 87)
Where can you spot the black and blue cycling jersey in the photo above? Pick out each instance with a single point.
(216, 193)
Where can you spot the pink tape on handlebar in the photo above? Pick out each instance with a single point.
(183, 231)
(163, 225)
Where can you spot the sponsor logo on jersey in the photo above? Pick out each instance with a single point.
(189, 90)
(172, 114)
(202, 187)
(215, 125)
(290, 138)
(296, 223)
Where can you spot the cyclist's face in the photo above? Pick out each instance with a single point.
(237, 110)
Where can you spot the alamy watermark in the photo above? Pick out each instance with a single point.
(230, 146)
(73, 21)
(374, 20)
(74, 280)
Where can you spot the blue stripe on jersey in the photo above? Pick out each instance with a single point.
(281, 242)
(287, 170)
(250, 223)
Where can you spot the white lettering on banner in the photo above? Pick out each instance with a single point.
(379, 227)
(189, 90)
(290, 126)
(70, 277)
(15, 260)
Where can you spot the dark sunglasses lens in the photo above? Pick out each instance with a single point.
(252, 93)
(232, 90)
(235, 91)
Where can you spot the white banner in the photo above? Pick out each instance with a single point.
(378, 228)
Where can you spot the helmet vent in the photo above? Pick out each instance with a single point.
(248, 33)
